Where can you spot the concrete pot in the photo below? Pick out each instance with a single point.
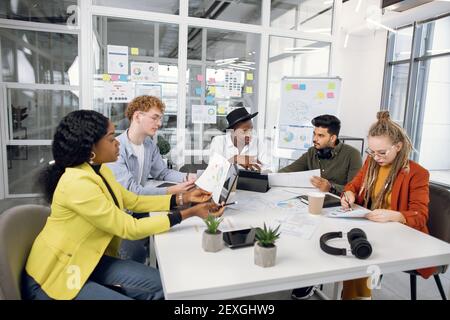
(265, 256)
(212, 242)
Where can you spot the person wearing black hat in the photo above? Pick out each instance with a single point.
(238, 145)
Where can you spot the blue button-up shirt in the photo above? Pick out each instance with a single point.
(126, 168)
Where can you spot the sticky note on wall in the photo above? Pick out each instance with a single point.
(288, 87)
(320, 95)
(248, 90)
(249, 76)
(198, 91)
(330, 95)
(331, 85)
(134, 51)
(106, 77)
(200, 77)
(302, 86)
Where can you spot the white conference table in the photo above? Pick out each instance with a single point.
(188, 272)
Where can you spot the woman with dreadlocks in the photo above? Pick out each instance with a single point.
(392, 186)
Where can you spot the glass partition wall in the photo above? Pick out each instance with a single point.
(203, 56)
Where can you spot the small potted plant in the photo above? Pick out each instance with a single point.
(212, 237)
(265, 249)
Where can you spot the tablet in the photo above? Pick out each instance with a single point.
(240, 238)
(328, 202)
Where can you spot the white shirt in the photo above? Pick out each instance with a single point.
(224, 146)
(140, 154)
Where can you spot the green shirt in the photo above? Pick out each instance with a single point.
(339, 169)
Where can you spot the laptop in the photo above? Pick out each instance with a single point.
(230, 184)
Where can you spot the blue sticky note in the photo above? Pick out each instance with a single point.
(198, 91)
(302, 86)
(209, 99)
(123, 77)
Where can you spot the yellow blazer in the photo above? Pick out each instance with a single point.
(84, 224)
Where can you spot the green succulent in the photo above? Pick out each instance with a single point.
(163, 145)
(267, 236)
(212, 223)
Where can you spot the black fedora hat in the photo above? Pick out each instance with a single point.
(239, 115)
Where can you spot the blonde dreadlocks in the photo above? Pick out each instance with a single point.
(388, 128)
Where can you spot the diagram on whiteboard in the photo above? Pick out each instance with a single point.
(296, 112)
(303, 99)
(295, 137)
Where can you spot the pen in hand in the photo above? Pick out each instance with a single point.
(229, 204)
(348, 202)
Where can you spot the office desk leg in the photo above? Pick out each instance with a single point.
(329, 291)
(152, 253)
(337, 289)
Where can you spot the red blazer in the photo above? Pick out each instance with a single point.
(410, 196)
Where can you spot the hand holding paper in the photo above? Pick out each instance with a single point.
(198, 196)
(293, 179)
(214, 176)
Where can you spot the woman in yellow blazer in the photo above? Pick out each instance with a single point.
(75, 255)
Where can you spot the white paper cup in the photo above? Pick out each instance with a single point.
(315, 202)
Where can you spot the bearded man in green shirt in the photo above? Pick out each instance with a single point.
(338, 162)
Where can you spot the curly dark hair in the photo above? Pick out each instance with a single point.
(72, 144)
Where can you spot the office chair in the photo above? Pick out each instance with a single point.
(19, 226)
(439, 227)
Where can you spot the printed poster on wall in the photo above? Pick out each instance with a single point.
(233, 86)
(204, 114)
(292, 137)
(145, 89)
(118, 92)
(144, 72)
(117, 59)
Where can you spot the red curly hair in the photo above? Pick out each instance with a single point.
(144, 104)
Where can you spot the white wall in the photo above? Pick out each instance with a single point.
(361, 66)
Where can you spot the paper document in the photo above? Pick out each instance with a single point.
(291, 204)
(144, 72)
(293, 179)
(214, 176)
(340, 212)
(117, 59)
(299, 225)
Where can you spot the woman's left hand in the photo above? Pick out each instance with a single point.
(197, 196)
(383, 215)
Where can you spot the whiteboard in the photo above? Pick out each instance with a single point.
(303, 99)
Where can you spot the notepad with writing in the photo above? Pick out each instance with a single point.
(340, 212)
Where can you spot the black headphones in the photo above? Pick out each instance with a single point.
(325, 153)
(357, 238)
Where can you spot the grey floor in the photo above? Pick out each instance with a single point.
(394, 286)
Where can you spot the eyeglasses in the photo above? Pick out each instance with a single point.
(154, 118)
(381, 154)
